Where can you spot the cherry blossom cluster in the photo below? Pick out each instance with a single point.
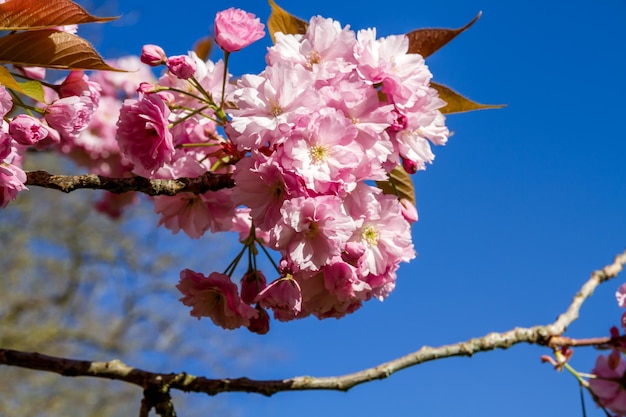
(333, 112)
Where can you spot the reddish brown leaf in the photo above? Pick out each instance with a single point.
(203, 48)
(39, 14)
(282, 21)
(427, 41)
(400, 184)
(51, 49)
(30, 88)
(457, 103)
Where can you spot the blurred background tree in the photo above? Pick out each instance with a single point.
(79, 284)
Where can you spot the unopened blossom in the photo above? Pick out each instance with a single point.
(261, 323)
(152, 55)
(283, 297)
(26, 130)
(235, 29)
(620, 295)
(182, 66)
(216, 297)
(70, 115)
(143, 133)
(252, 283)
(608, 386)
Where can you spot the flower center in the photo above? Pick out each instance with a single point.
(319, 153)
(370, 235)
(313, 231)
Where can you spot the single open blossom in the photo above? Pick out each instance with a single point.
(235, 29)
(143, 133)
(216, 297)
(284, 297)
(12, 179)
(70, 115)
(608, 386)
(26, 130)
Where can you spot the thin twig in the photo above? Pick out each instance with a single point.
(119, 371)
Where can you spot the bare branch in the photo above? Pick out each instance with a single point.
(117, 370)
(68, 183)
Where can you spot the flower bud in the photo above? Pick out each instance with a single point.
(152, 55)
(261, 323)
(409, 212)
(252, 284)
(409, 166)
(181, 66)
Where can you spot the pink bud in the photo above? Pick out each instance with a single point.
(152, 55)
(409, 212)
(235, 29)
(409, 165)
(146, 88)
(181, 66)
(26, 130)
(261, 323)
(252, 284)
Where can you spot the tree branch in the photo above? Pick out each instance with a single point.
(543, 335)
(68, 183)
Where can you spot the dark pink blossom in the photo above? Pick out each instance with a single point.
(216, 297)
(235, 29)
(143, 133)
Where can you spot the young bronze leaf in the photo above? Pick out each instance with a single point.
(427, 41)
(203, 48)
(281, 21)
(457, 103)
(39, 14)
(31, 88)
(51, 49)
(399, 184)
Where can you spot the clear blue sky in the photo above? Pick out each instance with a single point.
(517, 210)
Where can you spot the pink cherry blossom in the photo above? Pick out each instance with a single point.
(252, 283)
(70, 115)
(235, 29)
(6, 102)
(26, 130)
(12, 179)
(143, 133)
(620, 295)
(608, 387)
(216, 297)
(312, 230)
(284, 297)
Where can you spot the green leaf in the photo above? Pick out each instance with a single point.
(39, 14)
(50, 49)
(457, 103)
(31, 88)
(428, 41)
(399, 184)
(282, 21)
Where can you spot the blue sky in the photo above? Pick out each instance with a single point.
(517, 210)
